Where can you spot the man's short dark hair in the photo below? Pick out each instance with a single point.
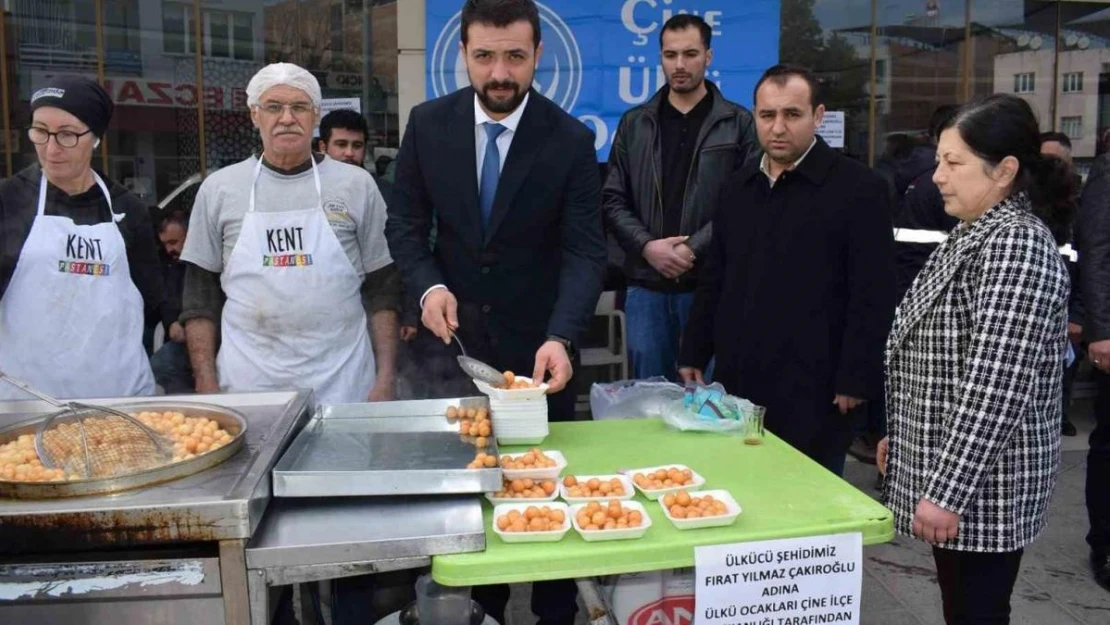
(682, 21)
(174, 217)
(344, 119)
(780, 74)
(1058, 137)
(500, 13)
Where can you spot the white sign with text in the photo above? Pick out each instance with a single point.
(796, 581)
(832, 129)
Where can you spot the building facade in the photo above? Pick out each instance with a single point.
(178, 69)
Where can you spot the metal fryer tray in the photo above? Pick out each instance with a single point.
(230, 420)
(387, 448)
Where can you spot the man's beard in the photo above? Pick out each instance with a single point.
(690, 86)
(501, 106)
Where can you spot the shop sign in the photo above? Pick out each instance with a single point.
(602, 58)
(132, 91)
(343, 80)
(796, 581)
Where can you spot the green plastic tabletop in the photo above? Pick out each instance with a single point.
(782, 493)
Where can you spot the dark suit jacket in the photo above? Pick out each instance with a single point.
(537, 269)
(797, 294)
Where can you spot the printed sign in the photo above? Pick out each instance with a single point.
(602, 58)
(832, 129)
(797, 581)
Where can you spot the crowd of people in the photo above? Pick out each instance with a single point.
(756, 256)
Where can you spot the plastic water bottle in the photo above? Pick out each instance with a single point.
(441, 605)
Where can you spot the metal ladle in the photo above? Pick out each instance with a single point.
(477, 369)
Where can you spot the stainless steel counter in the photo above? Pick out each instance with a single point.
(298, 532)
(225, 502)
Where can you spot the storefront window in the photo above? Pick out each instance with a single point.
(351, 48)
(831, 38)
(149, 59)
(1083, 94)
(1013, 50)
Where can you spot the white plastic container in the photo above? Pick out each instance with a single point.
(593, 536)
(629, 492)
(495, 500)
(531, 537)
(722, 520)
(512, 394)
(549, 473)
(697, 482)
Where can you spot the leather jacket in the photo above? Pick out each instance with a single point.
(632, 193)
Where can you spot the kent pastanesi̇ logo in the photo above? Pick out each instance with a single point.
(558, 77)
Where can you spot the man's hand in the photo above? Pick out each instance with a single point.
(846, 404)
(691, 374)
(882, 452)
(1099, 353)
(934, 524)
(1075, 333)
(382, 391)
(177, 332)
(408, 333)
(441, 314)
(666, 257)
(552, 358)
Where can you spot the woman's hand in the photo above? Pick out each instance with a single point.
(934, 524)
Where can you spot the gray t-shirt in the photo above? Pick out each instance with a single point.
(353, 205)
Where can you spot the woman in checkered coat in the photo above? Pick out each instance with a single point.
(975, 358)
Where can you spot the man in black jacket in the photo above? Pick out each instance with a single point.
(1092, 233)
(797, 294)
(671, 156)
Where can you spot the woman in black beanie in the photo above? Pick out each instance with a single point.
(77, 259)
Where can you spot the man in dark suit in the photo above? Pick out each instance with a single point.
(797, 294)
(519, 257)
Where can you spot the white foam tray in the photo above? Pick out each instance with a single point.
(593, 536)
(531, 537)
(629, 491)
(653, 495)
(550, 473)
(728, 518)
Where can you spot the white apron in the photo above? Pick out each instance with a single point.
(71, 320)
(294, 316)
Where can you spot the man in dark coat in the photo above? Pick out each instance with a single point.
(797, 295)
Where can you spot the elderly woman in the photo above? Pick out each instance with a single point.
(975, 358)
(77, 259)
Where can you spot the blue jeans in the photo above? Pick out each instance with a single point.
(172, 369)
(655, 324)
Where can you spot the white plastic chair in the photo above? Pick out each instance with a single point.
(614, 355)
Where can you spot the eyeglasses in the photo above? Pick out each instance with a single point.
(64, 138)
(299, 109)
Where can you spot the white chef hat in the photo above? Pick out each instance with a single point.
(289, 74)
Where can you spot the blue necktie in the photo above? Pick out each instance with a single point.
(491, 171)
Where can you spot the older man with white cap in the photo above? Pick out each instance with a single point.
(287, 254)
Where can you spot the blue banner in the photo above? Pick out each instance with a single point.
(601, 57)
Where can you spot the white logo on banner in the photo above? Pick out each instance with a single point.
(559, 76)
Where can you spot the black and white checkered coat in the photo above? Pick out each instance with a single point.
(974, 365)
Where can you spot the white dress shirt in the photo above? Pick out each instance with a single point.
(766, 168)
(504, 140)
